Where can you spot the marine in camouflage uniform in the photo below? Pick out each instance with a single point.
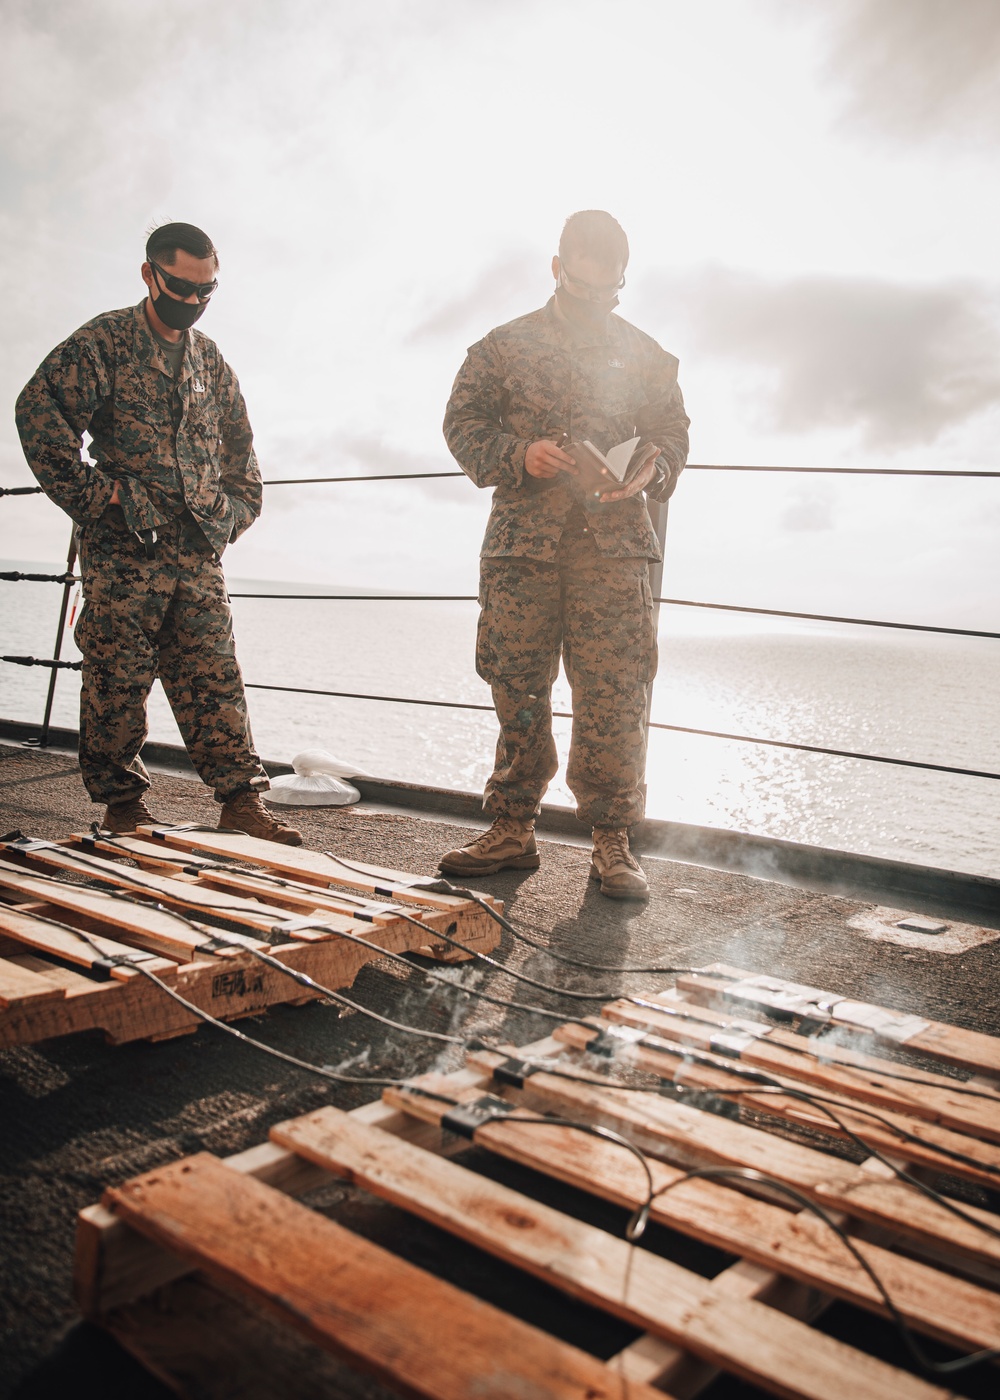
(565, 573)
(172, 444)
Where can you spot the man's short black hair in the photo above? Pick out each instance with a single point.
(593, 233)
(165, 242)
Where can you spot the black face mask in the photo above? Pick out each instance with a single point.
(177, 315)
(588, 315)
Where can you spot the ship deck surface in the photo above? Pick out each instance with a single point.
(79, 1115)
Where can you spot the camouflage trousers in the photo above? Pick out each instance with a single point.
(165, 617)
(596, 612)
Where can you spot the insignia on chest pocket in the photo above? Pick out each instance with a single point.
(616, 364)
(198, 386)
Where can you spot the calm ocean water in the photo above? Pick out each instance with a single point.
(897, 694)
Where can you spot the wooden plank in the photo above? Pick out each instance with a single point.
(689, 1137)
(340, 910)
(351, 1297)
(268, 889)
(741, 1336)
(33, 933)
(200, 1343)
(145, 927)
(314, 867)
(115, 1266)
(950, 1309)
(934, 1097)
(182, 893)
(658, 1363)
(20, 987)
(720, 984)
(887, 1131)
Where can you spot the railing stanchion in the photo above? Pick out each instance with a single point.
(658, 512)
(43, 738)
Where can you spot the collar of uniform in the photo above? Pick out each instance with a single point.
(150, 353)
(562, 330)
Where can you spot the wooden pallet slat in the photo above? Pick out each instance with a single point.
(314, 867)
(746, 1320)
(285, 898)
(352, 1297)
(872, 1080)
(130, 917)
(744, 1337)
(980, 1161)
(951, 1310)
(691, 1138)
(40, 936)
(147, 927)
(720, 984)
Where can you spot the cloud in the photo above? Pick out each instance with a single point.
(509, 286)
(899, 364)
(918, 69)
(807, 513)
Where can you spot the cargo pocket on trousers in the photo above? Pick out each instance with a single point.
(649, 660)
(485, 654)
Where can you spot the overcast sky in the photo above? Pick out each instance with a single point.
(811, 192)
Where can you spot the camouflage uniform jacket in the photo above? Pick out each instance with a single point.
(536, 377)
(172, 444)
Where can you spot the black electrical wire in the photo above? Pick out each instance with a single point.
(951, 1086)
(443, 886)
(485, 957)
(323, 1071)
(502, 1002)
(769, 1083)
(961, 1363)
(604, 1082)
(872, 1151)
(639, 1218)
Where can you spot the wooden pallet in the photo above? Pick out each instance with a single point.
(280, 1290)
(305, 908)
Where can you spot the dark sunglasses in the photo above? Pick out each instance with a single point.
(587, 290)
(182, 288)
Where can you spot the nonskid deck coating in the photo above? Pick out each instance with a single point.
(80, 1115)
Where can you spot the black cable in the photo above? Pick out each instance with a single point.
(503, 1002)
(444, 886)
(323, 1070)
(448, 888)
(605, 1082)
(951, 1086)
(639, 1218)
(961, 1363)
(770, 1083)
(870, 1150)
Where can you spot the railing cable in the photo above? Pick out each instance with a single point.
(675, 728)
(672, 602)
(691, 467)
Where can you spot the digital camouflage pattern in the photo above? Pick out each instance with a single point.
(183, 452)
(600, 621)
(171, 444)
(167, 617)
(563, 575)
(537, 377)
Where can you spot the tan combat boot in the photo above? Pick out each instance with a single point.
(619, 872)
(122, 817)
(508, 845)
(246, 812)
